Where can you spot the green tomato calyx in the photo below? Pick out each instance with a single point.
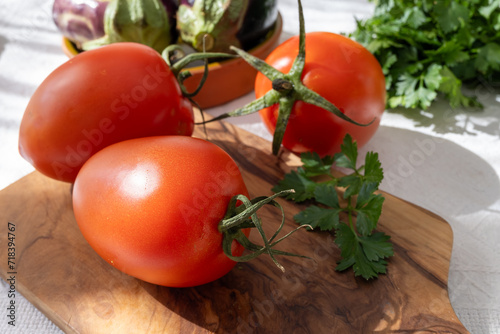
(243, 216)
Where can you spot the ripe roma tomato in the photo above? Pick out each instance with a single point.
(102, 96)
(151, 206)
(343, 72)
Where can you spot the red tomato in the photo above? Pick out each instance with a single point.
(100, 97)
(151, 207)
(343, 72)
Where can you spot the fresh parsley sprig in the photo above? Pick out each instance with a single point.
(348, 205)
(429, 48)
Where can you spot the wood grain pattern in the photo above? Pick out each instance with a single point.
(62, 276)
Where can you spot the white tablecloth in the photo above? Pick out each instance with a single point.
(447, 161)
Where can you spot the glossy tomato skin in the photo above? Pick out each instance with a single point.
(342, 71)
(99, 97)
(151, 206)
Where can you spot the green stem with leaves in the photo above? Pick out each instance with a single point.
(361, 247)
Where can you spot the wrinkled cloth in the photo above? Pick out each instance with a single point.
(446, 161)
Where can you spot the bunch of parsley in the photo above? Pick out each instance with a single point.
(352, 213)
(429, 47)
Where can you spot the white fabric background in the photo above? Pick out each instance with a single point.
(447, 161)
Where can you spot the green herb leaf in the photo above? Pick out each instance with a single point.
(487, 10)
(429, 48)
(313, 165)
(323, 218)
(297, 180)
(373, 168)
(352, 183)
(414, 17)
(347, 158)
(451, 87)
(450, 15)
(377, 246)
(365, 255)
(326, 193)
(361, 207)
(368, 214)
(488, 58)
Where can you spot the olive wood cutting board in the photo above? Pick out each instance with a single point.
(60, 274)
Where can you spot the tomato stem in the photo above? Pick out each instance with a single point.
(242, 214)
(282, 86)
(177, 59)
(286, 90)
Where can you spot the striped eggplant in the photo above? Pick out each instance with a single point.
(84, 21)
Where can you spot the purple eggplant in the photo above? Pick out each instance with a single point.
(80, 20)
(214, 25)
(83, 22)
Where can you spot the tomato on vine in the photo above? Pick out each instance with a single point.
(341, 71)
(169, 210)
(315, 88)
